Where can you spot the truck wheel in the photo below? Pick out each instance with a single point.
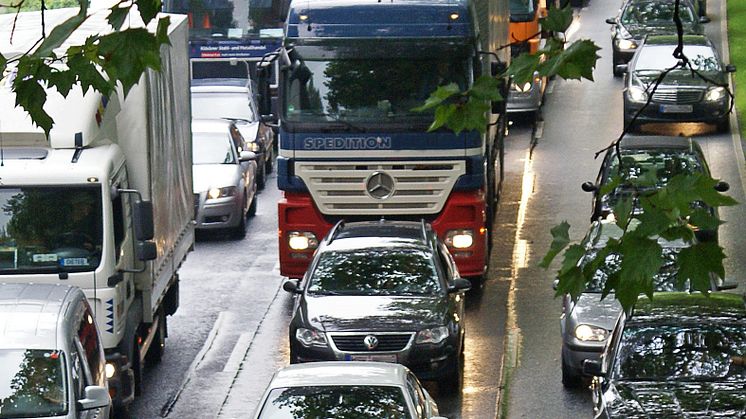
(155, 352)
(136, 366)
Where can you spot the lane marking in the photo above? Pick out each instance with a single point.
(238, 352)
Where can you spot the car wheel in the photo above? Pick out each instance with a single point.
(614, 61)
(570, 379)
(252, 207)
(239, 232)
(451, 383)
(269, 164)
(723, 124)
(261, 175)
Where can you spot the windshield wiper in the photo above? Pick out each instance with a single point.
(350, 126)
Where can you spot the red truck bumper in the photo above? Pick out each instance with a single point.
(462, 211)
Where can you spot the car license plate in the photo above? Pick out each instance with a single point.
(676, 108)
(378, 358)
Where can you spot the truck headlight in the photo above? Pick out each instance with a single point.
(459, 239)
(302, 240)
(215, 193)
(626, 44)
(637, 94)
(715, 94)
(433, 335)
(309, 337)
(110, 370)
(588, 333)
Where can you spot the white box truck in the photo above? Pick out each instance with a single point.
(104, 202)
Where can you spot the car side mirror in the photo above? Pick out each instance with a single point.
(459, 284)
(722, 186)
(704, 19)
(96, 397)
(247, 156)
(622, 68)
(292, 286)
(727, 285)
(555, 284)
(146, 250)
(588, 187)
(730, 68)
(143, 218)
(611, 21)
(593, 367)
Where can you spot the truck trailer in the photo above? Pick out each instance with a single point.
(104, 202)
(351, 145)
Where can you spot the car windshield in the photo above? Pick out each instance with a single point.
(214, 105)
(212, 148)
(50, 229)
(665, 280)
(320, 402)
(682, 352)
(375, 272)
(367, 89)
(655, 13)
(660, 57)
(32, 383)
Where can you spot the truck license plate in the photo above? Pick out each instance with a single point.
(378, 358)
(676, 108)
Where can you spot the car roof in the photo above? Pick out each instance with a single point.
(382, 233)
(683, 307)
(220, 85)
(340, 373)
(211, 125)
(30, 314)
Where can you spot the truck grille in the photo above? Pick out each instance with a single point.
(678, 95)
(341, 188)
(386, 342)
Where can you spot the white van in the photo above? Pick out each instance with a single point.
(51, 357)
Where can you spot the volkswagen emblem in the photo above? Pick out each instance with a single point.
(371, 342)
(380, 185)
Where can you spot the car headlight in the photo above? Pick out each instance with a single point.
(715, 94)
(215, 193)
(459, 239)
(434, 335)
(302, 240)
(310, 337)
(588, 333)
(637, 94)
(523, 88)
(626, 44)
(110, 370)
(255, 147)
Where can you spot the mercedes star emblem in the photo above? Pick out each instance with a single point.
(371, 342)
(380, 185)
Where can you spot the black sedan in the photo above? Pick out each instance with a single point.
(639, 18)
(382, 291)
(643, 156)
(680, 355)
(682, 95)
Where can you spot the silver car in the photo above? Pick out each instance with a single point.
(51, 357)
(585, 324)
(224, 177)
(346, 389)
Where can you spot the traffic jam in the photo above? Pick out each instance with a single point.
(269, 227)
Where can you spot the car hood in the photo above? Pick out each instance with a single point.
(677, 399)
(248, 130)
(390, 313)
(679, 78)
(591, 309)
(206, 176)
(638, 31)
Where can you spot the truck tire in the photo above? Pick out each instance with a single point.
(155, 352)
(135, 365)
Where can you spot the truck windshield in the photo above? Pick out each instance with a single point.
(50, 229)
(209, 19)
(367, 90)
(31, 383)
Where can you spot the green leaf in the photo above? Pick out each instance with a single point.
(161, 32)
(442, 114)
(62, 80)
(486, 88)
(570, 276)
(641, 261)
(148, 9)
(560, 240)
(683, 233)
(59, 34)
(31, 96)
(703, 219)
(523, 67)
(575, 62)
(571, 258)
(89, 75)
(118, 15)
(440, 95)
(697, 262)
(3, 63)
(623, 211)
(128, 54)
(557, 20)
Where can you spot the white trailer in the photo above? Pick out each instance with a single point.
(105, 201)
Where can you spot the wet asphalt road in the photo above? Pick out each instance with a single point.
(230, 333)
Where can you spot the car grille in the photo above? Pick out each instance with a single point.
(386, 342)
(677, 95)
(419, 187)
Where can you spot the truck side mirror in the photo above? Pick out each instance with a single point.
(96, 397)
(143, 218)
(146, 250)
(264, 96)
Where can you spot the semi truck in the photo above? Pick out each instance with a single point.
(104, 201)
(351, 145)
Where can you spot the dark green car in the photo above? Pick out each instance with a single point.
(683, 95)
(680, 355)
